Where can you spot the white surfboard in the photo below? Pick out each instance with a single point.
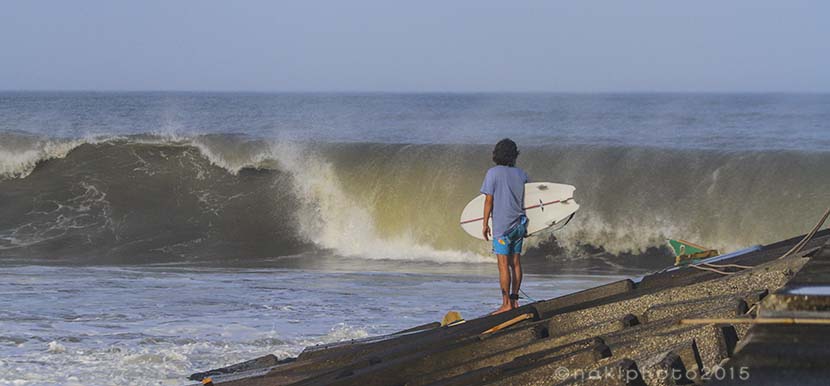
(546, 204)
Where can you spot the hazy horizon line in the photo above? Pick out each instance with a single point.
(334, 91)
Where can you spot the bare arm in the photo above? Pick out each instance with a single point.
(488, 209)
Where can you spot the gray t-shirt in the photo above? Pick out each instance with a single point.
(507, 185)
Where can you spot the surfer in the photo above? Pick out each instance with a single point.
(504, 188)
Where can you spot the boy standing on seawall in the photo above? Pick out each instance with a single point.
(504, 187)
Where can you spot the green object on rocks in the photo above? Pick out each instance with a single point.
(688, 253)
(682, 247)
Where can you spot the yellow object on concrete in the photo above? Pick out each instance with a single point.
(450, 318)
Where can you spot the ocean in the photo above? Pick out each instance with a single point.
(146, 236)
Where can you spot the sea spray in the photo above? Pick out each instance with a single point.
(347, 224)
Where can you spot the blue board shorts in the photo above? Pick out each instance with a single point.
(511, 242)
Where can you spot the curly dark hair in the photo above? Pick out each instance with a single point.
(506, 152)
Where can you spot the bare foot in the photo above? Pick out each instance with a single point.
(514, 301)
(503, 308)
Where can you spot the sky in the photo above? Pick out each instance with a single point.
(416, 46)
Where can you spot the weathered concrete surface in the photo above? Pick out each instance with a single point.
(549, 347)
(344, 347)
(625, 326)
(401, 369)
(788, 354)
(253, 364)
(781, 355)
(547, 307)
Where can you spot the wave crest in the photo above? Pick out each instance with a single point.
(228, 197)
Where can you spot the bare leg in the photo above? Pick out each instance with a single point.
(504, 281)
(515, 264)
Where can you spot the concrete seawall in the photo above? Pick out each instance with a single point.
(754, 318)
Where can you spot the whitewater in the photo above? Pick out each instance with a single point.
(145, 236)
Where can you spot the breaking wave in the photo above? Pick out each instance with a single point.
(151, 199)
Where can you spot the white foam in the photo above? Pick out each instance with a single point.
(56, 348)
(19, 163)
(635, 236)
(336, 221)
(149, 364)
(341, 332)
(225, 161)
(164, 363)
(73, 214)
